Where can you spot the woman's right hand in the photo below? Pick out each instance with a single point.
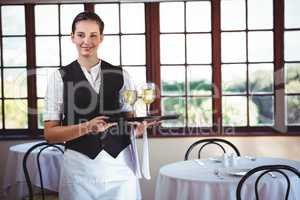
(98, 124)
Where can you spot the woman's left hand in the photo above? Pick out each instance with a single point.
(140, 127)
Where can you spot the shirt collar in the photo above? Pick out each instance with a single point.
(94, 70)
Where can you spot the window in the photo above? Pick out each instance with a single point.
(124, 41)
(247, 63)
(53, 44)
(224, 74)
(292, 62)
(14, 98)
(238, 81)
(186, 64)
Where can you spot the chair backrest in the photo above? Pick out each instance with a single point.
(41, 147)
(215, 141)
(267, 169)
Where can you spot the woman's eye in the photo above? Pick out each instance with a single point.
(80, 35)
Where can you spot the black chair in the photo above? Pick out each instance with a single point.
(41, 146)
(267, 169)
(215, 141)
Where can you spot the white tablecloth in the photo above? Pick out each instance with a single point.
(14, 184)
(189, 180)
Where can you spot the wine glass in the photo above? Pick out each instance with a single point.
(130, 97)
(148, 95)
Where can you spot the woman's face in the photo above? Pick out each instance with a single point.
(87, 38)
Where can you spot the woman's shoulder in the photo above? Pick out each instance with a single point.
(105, 64)
(70, 65)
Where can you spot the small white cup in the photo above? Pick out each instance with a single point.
(226, 161)
(234, 160)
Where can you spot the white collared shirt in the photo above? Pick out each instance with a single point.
(54, 94)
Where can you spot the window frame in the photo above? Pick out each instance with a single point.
(152, 36)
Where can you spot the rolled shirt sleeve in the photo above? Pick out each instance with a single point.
(54, 97)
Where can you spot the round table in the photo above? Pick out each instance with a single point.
(197, 179)
(14, 184)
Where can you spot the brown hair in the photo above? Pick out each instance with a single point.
(88, 16)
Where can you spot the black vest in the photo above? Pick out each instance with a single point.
(81, 103)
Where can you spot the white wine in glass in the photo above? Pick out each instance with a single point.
(130, 97)
(149, 95)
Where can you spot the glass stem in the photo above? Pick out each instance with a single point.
(148, 109)
(133, 111)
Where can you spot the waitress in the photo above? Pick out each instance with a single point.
(100, 161)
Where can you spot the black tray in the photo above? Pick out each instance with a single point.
(140, 119)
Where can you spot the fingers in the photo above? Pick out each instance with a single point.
(101, 117)
(98, 124)
(111, 124)
(154, 123)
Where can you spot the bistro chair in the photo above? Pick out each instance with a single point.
(216, 141)
(43, 196)
(267, 169)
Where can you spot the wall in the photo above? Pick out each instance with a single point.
(168, 150)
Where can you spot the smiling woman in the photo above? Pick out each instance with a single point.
(80, 98)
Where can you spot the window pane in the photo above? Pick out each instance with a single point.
(133, 50)
(292, 80)
(199, 112)
(137, 74)
(234, 79)
(46, 19)
(260, 46)
(292, 45)
(40, 105)
(260, 14)
(293, 111)
(229, 12)
(67, 14)
(171, 17)
(13, 20)
(199, 80)
(48, 56)
(1, 115)
(14, 51)
(233, 47)
(261, 78)
(68, 50)
(15, 114)
(198, 16)
(198, 48)
(15, 83)
(109, 50)
(133, 18)
(42, 75)
(109, 14)
(172, 80)
(173, 105)
(234, 111)
(261, 110)
(291, 13)
(172, 49)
